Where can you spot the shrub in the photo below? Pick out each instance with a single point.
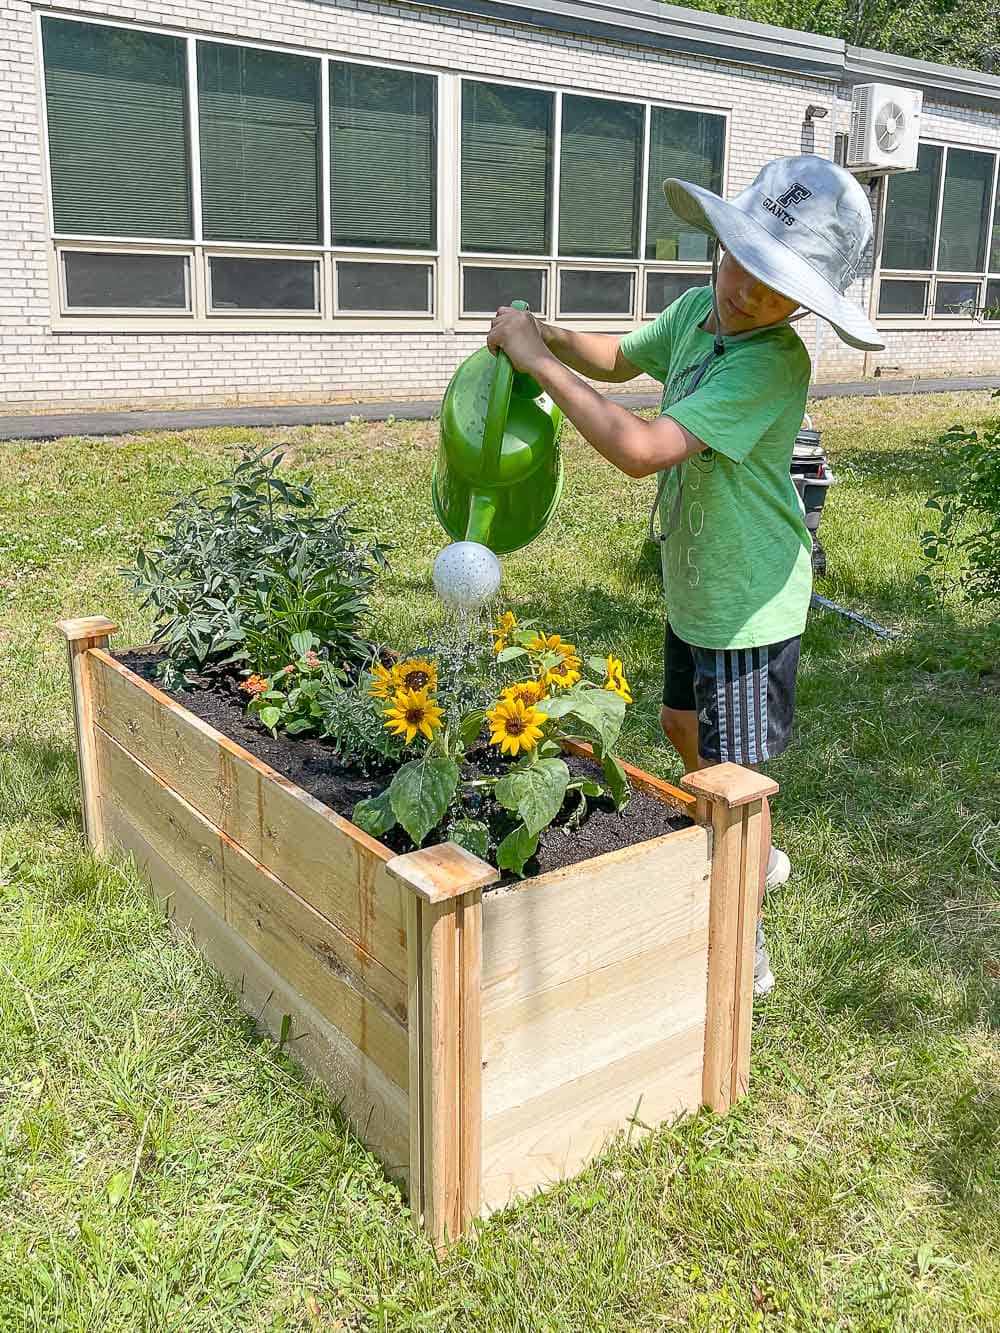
(963, 553)
(244, 565)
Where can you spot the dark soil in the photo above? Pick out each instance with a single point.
(313, 764)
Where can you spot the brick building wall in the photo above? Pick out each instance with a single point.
(53, 369)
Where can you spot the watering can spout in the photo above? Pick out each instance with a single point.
(499, 472)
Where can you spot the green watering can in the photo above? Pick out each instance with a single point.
(499, 472)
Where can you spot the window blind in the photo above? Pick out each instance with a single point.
(383, 181)
(600, 172)
(911, 213)
(506, 169)
(259, 133)
(968, 180)
(689, 145)
(117, 130)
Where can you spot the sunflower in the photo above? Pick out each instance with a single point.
(416, 674)
(617, 684)
(411, 711)
(563, 675)
(384, 684)
(514, 727)
(503, 630)
(528, 691)
(552, 643)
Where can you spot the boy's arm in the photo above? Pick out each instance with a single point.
(637, 447)
(596, 355)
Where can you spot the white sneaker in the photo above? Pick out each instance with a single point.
(778, 868)
(763, 977)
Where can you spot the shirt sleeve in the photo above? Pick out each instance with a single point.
(737, 403)
(648, 347)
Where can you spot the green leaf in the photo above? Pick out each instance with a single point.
(617, 781)
(421, 792)
(588, 788)
(508, 654)
(117, 1187)
(303, 642)
(287, 1247)
(517, 848)
(535, 793)
(557, 706)
(299, 724)
(470, 726)
(270, 717)
(472, 834)
(603, 711)
(598, 664)
(375, 815)
(231, 1273)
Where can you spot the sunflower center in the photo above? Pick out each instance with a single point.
(514, 726)
(415, 716)
(416, 680)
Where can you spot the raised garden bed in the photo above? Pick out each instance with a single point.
(483, 1040)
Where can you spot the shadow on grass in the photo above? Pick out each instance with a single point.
(38, 780)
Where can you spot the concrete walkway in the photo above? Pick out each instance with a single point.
(50, 427)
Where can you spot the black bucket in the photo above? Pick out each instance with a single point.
(812, 477)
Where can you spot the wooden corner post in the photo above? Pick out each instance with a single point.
(81, 636)
(735, 796)
(444, 949)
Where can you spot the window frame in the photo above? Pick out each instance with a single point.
(182, 251)
(935, 275)
(199, 316)
(555, 262)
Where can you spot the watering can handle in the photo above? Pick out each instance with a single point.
(497, 408)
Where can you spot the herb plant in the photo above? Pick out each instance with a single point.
(244, 565)
(293, 698)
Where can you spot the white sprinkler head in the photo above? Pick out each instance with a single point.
(466, 574)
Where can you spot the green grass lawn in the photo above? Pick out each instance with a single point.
(163, 1168)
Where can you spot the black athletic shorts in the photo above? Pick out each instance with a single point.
(744, 697)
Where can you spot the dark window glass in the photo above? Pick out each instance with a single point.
(690, 146)
(259, 131)
(911, 212)
(968, 181)
(663, 289)
(383, 125)
(263, 284)
(104, 281)
(117, 128)
(599, 178)
(992, 300)
(902, 297)
(506, 169)
(485, 289)
(956, 299)
(386, 287)
(995, 232)
(596, 292)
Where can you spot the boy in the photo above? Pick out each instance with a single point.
(734, 546)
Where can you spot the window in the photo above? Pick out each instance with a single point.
(103, 280)
(115, 103)
(689, 145)
(596, 292)
(600, 176)
(663, 289)
(992, 310)
(487, 287)
(262, 284)
(398, 288)
(939, 252)
(506, 165)
(383, 134)
(259, 131)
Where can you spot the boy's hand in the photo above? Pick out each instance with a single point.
(520, 336)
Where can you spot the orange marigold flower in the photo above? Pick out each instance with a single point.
(253, 685)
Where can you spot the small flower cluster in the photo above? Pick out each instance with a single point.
(407, 690)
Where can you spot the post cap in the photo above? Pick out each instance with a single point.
(87, 627)
(730, 784)
(442, 872)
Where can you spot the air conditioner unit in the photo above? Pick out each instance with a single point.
(885, 129)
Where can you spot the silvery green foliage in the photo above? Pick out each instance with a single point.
(242, 565)
(355, 722)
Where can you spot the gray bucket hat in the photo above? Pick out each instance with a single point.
(801, 228)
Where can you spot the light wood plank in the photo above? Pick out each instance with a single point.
(555, 1134)
(376, 1107)
(545, 931)
(81, 636)
(730, 784)
(309, 951)
(335, 866)
(723, 954)
(470, 1071)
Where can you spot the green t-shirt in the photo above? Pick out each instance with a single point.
(737, 568)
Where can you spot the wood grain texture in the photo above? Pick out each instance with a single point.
(441, 872)
(730, 784)
(594, 992)
(336, 867)
(367, 1004)
(375, 1105)
(728, 866)
(81, 636)
(746, 931)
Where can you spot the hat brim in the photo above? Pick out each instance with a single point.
(771, 262)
